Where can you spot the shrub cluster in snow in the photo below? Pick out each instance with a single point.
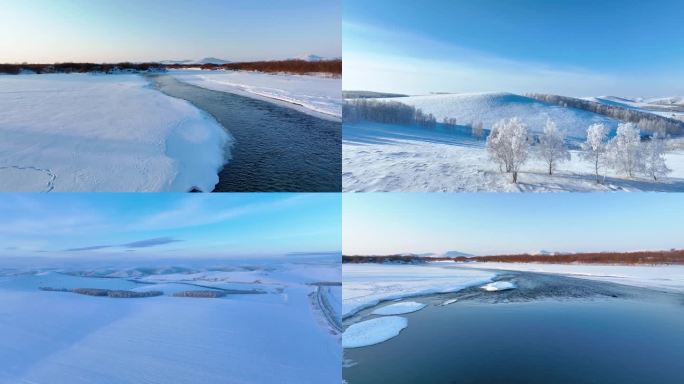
(510, 145)
(388, 112)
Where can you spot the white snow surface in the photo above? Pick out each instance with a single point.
(319, 94)
(366, 285)
(374, 331)
(386, 158)
(661, 277)
(276, 337)
(399, 308)
(498, 286)
(488, 108)
(85, 132)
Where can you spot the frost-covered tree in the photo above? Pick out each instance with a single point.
(595, 148)
(477, 129)
(551, 148)
(626, 150)
(654, 154)
(508, 145)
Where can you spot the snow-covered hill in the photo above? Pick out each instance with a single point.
(672, 107)
(489, 108)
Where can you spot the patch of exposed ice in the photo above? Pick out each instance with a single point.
(450, 301)
(374, 331)
(498, 286)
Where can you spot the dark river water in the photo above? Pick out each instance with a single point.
(277, 149)
(576, 341)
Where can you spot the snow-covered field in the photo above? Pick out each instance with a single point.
(366, 285)
(318, 94)
(661, 277)
(382, 157)
(85, 132)
(279, 335)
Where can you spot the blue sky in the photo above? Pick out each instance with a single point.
(167, 225)
(137, 30)
(496, 223)
(577, 48)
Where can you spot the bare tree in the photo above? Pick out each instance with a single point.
(477, 130)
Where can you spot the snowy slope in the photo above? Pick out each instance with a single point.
(317, 94)
(489, 108)
(279, 336)
(82, 132)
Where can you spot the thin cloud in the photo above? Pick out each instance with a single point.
(151, 242)
(136, 244)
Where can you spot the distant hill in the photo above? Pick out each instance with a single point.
(309, 57)
(488, 108)
(181, 62)
(213, 60)
(206, 60)
(456, 254)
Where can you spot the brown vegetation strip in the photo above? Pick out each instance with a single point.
(674, 256)
(333, 67)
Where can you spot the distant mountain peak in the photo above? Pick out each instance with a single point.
(214, 60)
(310, 57)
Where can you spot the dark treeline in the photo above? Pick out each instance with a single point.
(399, 259)
(368, 95)
(333, 67)
(641, 257)
(648, 122)
(14, 69)
(387, 112)
(289, 66)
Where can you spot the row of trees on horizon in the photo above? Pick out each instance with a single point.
(333, 67)
(673, 256)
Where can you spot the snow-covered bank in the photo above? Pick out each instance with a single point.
(662, 277)
(278, 336)
(382, 157)
(84, 132)
(318, 94)
(366, 285)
